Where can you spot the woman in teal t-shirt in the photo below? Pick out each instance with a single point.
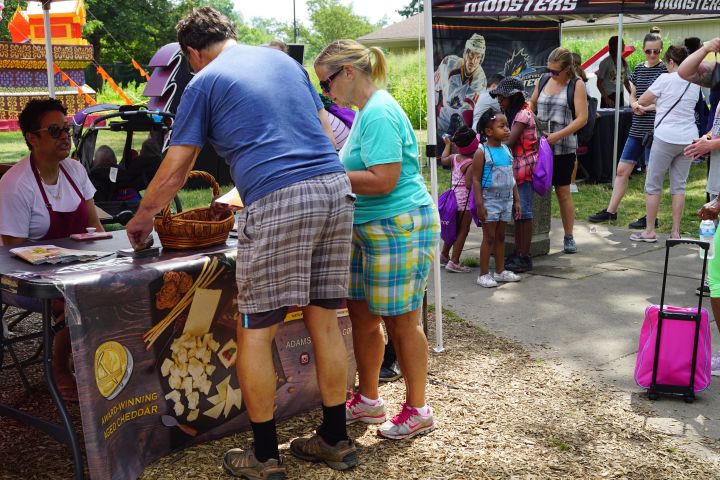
(395, 235)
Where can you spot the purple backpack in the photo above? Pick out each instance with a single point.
(473, 207)
(448, 207)
(543, 172)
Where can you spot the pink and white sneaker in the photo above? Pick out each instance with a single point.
(356, 410)
(407, 424)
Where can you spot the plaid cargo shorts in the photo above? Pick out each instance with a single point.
(294, 245)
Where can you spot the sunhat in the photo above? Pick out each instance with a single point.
(508, 87)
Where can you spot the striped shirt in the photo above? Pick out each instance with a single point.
(642, 77)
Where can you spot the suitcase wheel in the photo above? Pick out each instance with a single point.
(653, 395)
(688, 398)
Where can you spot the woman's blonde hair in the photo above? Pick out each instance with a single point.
(564, 57)
(350, 52)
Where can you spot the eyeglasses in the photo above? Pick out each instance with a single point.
(325, 84)
(55, 131)
(652, 51)
(554, 73)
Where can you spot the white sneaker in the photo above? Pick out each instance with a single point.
(486, 281)
(715, 365)
(506, 276)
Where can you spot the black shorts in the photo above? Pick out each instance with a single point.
(563, 166)
(273, 317)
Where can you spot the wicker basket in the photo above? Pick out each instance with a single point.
(194, 228)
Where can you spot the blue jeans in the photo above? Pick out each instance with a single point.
(632, 151)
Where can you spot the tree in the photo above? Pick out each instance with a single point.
(119, 29)
(332, 20)
(412, 8)
(226, 7)
(10, 7)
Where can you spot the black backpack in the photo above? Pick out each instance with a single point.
(586, 132)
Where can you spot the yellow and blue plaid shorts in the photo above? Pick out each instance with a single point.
(391, 260)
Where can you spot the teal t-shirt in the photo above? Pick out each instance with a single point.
(382, 133)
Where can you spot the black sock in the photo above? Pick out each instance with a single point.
(266, 442)
(333, 428)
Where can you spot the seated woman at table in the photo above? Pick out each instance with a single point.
(46, 196)
(642, 123)
(675, 129)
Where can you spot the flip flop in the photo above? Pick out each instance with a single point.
(639, 237)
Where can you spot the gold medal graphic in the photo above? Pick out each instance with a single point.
(113, 367)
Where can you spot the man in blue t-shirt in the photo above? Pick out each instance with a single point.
(258, 109)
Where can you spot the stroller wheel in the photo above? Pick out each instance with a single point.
(124, 217)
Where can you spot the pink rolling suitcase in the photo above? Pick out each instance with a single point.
(675, 341)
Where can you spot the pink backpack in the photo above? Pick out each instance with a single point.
(675, 341)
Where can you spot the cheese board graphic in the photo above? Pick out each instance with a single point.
(193, 334)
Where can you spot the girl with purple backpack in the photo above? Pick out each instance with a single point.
(466, 142)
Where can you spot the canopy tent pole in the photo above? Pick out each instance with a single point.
(48, 48)
(431, 153)
(619, 90)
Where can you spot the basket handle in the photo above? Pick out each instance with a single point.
(196, 174)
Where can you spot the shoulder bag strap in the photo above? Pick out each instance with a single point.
(674, 104)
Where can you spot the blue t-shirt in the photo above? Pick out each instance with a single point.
(382, 134)
(258, 109)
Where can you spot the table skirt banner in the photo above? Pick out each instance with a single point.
(154, 351)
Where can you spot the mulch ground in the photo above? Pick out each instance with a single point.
(501, 414)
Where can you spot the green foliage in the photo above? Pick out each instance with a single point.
(331, 20)
(412, 8)
(132, 89)
(10, 7)
(226, 7)
(260, 30)
(120, 30)
(587, 48)
(406, 83)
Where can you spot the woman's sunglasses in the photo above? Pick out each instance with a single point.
(325, 84)
(652, 51)
(55, 131)
(554, 73)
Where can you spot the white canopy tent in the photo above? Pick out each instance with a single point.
(530, 10)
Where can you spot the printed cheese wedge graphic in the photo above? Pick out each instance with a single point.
(228, 353)
(215, 411)
(202, 312)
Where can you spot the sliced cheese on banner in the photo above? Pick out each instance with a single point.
(215, 411)
(202, 312)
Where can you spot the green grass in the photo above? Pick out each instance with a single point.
(559, 444)
(592, 198)
(12, 147)
(199, 197)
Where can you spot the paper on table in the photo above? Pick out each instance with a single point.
(38, 254)
(231, 198)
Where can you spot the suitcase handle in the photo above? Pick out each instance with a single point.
(669, 243)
